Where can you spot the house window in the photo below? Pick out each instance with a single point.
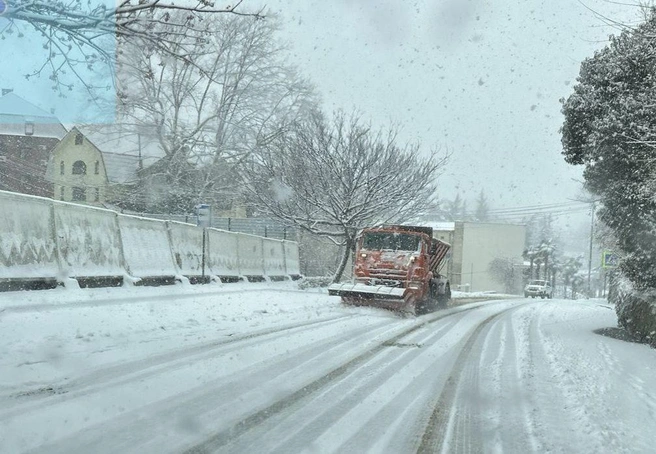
(61, 168)
(61, 193)
(97, 198)
(79, 168)
(29, 128)
(79, 139)
(97, 168)
(79, 194)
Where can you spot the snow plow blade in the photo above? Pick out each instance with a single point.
(392, 298)
(366, 291)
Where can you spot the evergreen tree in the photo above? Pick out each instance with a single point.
(454, 210)
(610, 128)
(482, 213)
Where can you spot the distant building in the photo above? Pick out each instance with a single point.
(98, 165)
(474, 246)
(27, 136)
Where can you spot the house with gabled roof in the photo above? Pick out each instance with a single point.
(100, 164)
(27, 135)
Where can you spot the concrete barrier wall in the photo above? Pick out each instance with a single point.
(27, 238)
(45, 239)
(292, 261)
(274, 257)
(223, 258)
(87, 241)
(146, 247)
(187, 248)
(249, 251)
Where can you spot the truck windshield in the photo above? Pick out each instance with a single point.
(537, 283)
(377, 241)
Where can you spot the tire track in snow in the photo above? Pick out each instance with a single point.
(225, 399)
(117, 375)
(452, 426)
(367, 404)
(222, 438)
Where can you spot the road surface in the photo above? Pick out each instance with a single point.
(280, 370)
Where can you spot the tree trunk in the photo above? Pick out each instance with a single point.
(348, 248)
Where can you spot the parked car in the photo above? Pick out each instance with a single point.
(538, 288)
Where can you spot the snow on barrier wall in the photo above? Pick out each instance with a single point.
(187, 248)
(27, 241)
(146, 247)
(251, 259)
(274, 257)
(45, 239)
(223, 258)
(292, 261)
(87, 241)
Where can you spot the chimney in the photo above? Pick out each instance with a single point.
(6, 90)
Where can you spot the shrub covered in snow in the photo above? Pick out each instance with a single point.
(636, 310)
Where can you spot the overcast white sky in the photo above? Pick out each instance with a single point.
(481, 78)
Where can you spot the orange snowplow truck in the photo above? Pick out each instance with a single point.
(397, 267)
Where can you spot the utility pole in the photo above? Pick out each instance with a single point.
(592, 217)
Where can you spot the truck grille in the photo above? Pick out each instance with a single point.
(386, 273)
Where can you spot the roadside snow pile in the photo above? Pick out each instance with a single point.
(636, 310)
(315, 282)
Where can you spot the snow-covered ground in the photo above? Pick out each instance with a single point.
(269, 368)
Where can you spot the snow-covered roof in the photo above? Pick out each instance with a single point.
(444, 226)
(15, 112)
(122, 139)
(12, 104)
(120, 146)
(121, 168)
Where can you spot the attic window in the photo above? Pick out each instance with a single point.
(29, 127)
(97, 168)
(79, 139)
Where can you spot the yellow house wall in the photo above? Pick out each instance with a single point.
(68, 153)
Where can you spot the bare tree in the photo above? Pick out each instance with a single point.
(506, 272)
(78, 35)
(332, 178)
(211, 109)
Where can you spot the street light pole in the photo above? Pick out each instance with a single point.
(592, 215)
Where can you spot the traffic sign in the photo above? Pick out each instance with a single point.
(3, 7)
(204, 215)
(609, 259)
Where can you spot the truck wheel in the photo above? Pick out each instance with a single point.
(442, 300)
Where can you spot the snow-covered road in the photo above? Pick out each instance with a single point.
(268, 368)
